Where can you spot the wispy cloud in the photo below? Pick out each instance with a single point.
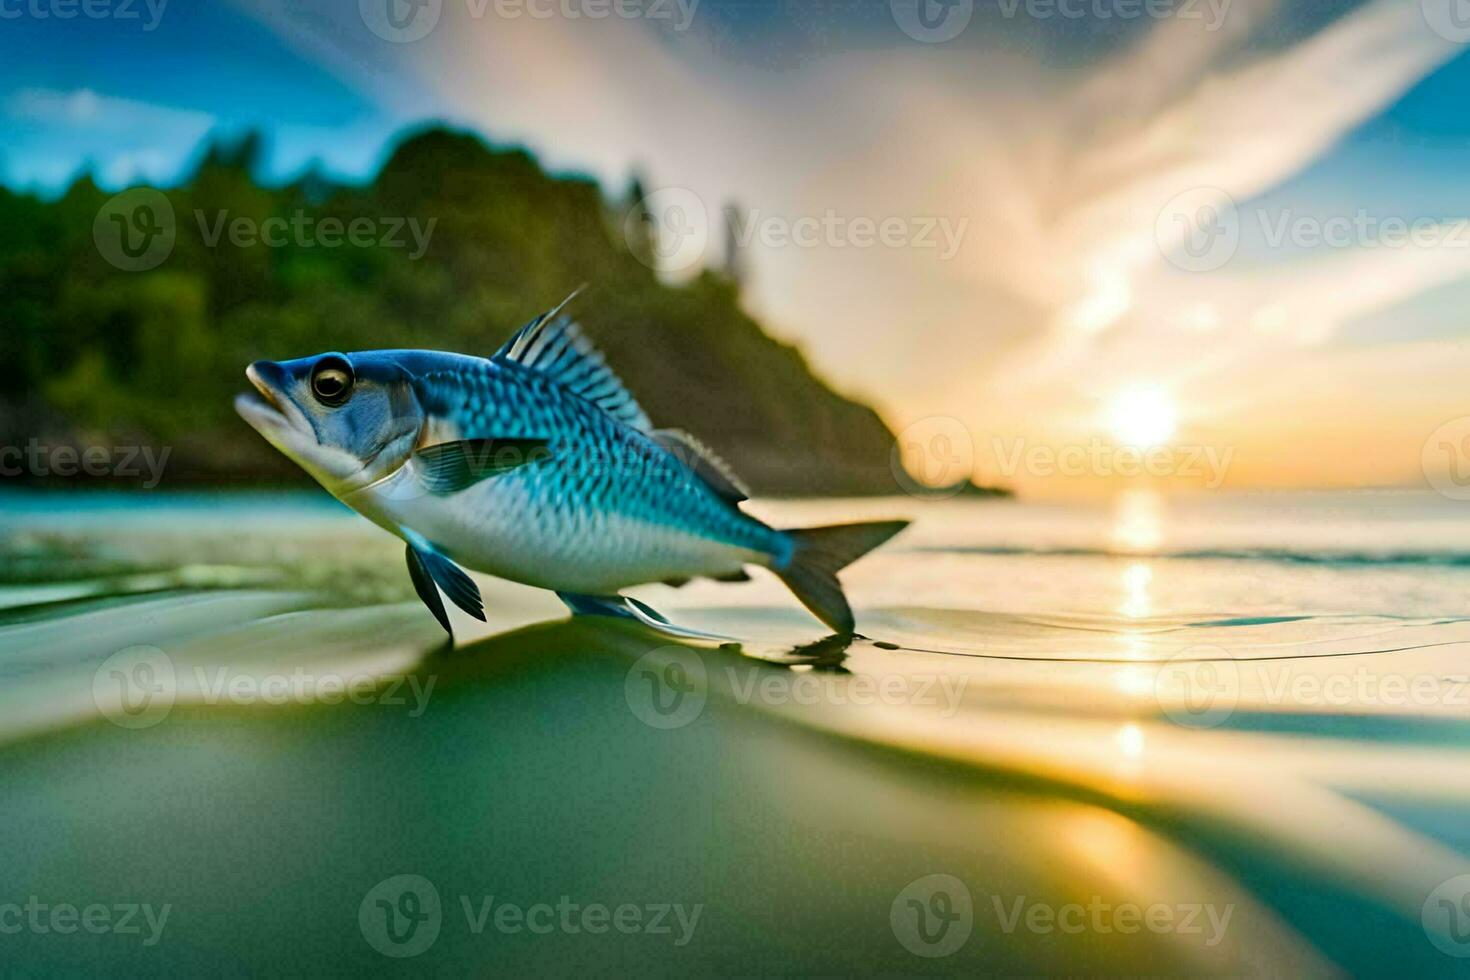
(1061, 289)
(86, 109)
(124, 140)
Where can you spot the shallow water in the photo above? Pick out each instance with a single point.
(1243, 718)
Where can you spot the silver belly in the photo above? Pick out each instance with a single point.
(498, 528)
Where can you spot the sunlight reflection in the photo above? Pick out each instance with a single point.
(1134, 681)
(1130, 740)
(1138, 521)
(1137, 603)
(1109, 840)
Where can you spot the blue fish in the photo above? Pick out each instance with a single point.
(538, 466)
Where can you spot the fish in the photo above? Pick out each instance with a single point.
(535, 465)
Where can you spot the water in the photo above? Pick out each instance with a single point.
(1222, 736)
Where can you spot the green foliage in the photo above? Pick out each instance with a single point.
(89, 348)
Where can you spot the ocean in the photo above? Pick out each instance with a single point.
(1213, 735)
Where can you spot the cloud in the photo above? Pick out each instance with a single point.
(1061, 289)
(125, 140)
(86, 109)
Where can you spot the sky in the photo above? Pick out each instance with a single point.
(1038, 235)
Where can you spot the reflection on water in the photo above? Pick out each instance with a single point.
(1138, 521)
(1051, 707)
(1130, 740)
(1137, 577)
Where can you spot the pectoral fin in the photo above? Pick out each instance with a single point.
(596, 605)
(453, 466)
(428, 568)
(626, 607)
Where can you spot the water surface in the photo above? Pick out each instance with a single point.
(1253, 703)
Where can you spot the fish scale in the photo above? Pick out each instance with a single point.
(604, 481)
(538, 466)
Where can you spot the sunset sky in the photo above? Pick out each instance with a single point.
(1318, 338)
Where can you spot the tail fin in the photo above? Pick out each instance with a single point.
(820, 553)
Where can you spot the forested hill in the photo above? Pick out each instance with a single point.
(97, 354)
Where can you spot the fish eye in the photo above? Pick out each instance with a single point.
(332, 380)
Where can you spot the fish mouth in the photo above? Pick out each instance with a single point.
(263, 409)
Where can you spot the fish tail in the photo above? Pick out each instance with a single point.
(818, 554)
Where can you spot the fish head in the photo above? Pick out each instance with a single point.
(347, 419)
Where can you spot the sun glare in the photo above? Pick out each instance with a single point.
(1143, 416)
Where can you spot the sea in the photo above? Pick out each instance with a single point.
(1202, 735)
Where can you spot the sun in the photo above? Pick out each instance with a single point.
(1141, 416)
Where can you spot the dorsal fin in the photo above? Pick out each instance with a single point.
(555, 346)
(706, 465)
